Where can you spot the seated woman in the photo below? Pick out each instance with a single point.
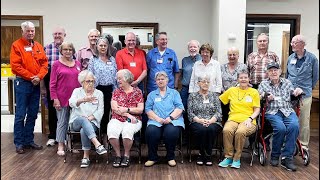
(127, 106)
(244, 108)
(164, 110)
(87, 110)
(204, 111)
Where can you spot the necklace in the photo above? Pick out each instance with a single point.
(242, 96)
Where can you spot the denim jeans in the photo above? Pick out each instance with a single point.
(27, 103)
(169, 133)
(87, 131)
(285, 130)
(184, 93)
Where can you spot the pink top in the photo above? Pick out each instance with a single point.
(63, 80)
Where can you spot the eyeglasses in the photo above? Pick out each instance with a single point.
(205, 82)
(89, 81)
(67, 50)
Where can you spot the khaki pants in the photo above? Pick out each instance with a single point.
(238, 132)
(304, 119)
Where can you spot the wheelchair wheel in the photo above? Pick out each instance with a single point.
(262, 156)
(306, 157)
(296, 150)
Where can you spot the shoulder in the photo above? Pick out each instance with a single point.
(97, 92)
(252, 90)
(312, 56)
(170, 51)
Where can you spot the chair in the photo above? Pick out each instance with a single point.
(73, 143)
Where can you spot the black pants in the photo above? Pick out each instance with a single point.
(52, 114)
(107, 95)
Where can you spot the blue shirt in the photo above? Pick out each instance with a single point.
(305, 77)
(168, 62)
(164, 106)
(186, 71)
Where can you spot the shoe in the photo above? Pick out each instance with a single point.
(208, 160)
(200, 160)
(85, 162)
(149, 163)
(287, 163)
(61, 153)
(20, 150)
(101, 150)
(226, 162)
(117, 161)
(33, 146)
(274, 161)
(51, 142)
(236, 164)
(125, 161)
(172, 163)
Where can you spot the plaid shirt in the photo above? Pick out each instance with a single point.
(257, 66)
(282, 93)
(52, 53)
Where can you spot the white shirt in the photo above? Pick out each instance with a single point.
(212, 69)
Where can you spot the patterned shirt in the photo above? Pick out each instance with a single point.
(281, 94)
(230, 79)
(105, 72)
(204, 108)
(52, 53)
(186, 71)
(132, 99)
(257, 66)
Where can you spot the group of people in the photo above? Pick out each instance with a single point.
(100, 88)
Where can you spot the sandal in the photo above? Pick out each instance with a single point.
(116, 162)
(125, 161)
(200, 160)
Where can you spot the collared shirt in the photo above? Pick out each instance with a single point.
(230, 79)
(281, 93)
(105, 72)
(257, 66)
(168, 62)
(135, 63)
(305, 77)
(28, 60)
(204, 108)
(212, 69)
(88, 108)
(83, 56)
(52, 53)
(186, 71)
(163, 106)
(132, 99)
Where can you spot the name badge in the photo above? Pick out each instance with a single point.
(109, 63)
(248, 99)
(78, 68)
(160, 61)
(133, 64)
(277, 98)
(293, 61)
(206, 101)
(28, 48)
(157, 99)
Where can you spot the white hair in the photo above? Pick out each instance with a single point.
(26, 24)
(197, 42)
(94, 30)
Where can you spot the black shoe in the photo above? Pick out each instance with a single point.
(208, 160)
(200, 160)
(274, 161)
(20, 150)
(287, 163)
(33, 146)
(125, 162)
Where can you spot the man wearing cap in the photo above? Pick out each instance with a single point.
(303, 72)
(281, 116)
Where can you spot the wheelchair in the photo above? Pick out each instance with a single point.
(265, 131)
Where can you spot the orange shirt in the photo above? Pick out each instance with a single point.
(27, 61)
(135, 64)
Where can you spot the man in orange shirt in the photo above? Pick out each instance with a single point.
(133, 59)
(30, 64)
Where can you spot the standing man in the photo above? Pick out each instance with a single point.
(133, 59)
(162, 58)
(52, 53)
(85, 53)
(257, 61)
(30, 64)
(303, 72)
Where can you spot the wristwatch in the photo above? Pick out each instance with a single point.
(251, 118)
(171, 118)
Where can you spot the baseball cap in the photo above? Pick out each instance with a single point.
(273, 65)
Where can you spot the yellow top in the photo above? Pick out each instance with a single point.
(241, 103)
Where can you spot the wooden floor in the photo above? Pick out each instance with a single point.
(45, 164)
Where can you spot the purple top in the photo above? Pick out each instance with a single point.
(63, 80)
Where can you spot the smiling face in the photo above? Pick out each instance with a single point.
(88, 84)
(130, 41)
(193, 48)
(204, 84)
(93, 36)
(274, 73)
(206, 55)
(162, 42)
(67, 51)
(233, 56)
(58, 35)
(161, 81)
(121, 81)
(102, 46)
(297, 44)
(29, 33)
(243, 79)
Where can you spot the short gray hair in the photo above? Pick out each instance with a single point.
(197, 42)
(94, 30)
(158, 35)
(203, 77)
(161, 73)
(83, 74)
(26, 24)
(127, 75)
(243, 71)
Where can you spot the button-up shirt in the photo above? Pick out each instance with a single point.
(52, 53)
(305, 77)
(83, 56)
(281, 93)
(186, 71)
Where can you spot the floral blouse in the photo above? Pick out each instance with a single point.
(204, 108)
(229, 79)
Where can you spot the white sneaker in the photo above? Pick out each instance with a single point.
(51, 142)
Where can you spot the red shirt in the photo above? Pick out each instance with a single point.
(129, 100)
(135, 64)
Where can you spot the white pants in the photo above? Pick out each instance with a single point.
(126, 129)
